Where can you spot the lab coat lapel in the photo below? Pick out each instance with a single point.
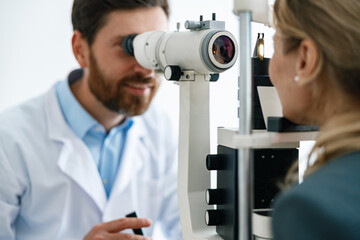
(75, 159)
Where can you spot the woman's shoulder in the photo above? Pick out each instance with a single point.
(325, 204)
(339, 173)
(337, 182)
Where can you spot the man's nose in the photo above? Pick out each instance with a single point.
(145, 72)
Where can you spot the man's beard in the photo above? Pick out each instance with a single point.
(111, 92)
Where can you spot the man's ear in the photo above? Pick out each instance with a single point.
(80, 49)
(308, 57)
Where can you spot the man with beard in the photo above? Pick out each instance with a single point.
(77, 160)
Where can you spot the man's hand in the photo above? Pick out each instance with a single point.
(110, 230)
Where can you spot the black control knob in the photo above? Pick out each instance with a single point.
(214, 217)
(214, 77)
(215, 162)
(215, 196)
(172, 73)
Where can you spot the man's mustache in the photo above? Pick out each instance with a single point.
(137, 79)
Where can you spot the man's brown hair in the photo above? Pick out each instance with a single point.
(88, 16)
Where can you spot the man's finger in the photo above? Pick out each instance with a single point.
(126, 223)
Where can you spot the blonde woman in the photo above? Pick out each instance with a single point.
(316, 71)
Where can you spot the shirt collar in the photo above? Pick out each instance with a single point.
(80, 121)
(76, 116)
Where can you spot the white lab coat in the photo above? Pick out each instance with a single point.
(50, 187)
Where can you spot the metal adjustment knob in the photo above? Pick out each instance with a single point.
(214, 217)
(215, 196)
(192, 25)
(215, 162)
(172, 72)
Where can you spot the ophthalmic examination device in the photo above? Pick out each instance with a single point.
(249, 159)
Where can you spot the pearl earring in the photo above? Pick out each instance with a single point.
(297, 78)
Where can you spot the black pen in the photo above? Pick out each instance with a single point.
(138, 231)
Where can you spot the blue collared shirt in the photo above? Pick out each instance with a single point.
(105, 148)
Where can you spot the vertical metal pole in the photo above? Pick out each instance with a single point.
(245, 194)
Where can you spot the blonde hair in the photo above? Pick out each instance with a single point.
(340, 135)
(334, 27)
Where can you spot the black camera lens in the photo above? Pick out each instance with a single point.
(223, 49)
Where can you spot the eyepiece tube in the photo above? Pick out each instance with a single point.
(202, 51)
(127, 44)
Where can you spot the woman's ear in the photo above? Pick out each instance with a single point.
(308, 57)
(80, 48)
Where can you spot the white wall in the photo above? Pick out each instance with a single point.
(34, 47)
(35, 52)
